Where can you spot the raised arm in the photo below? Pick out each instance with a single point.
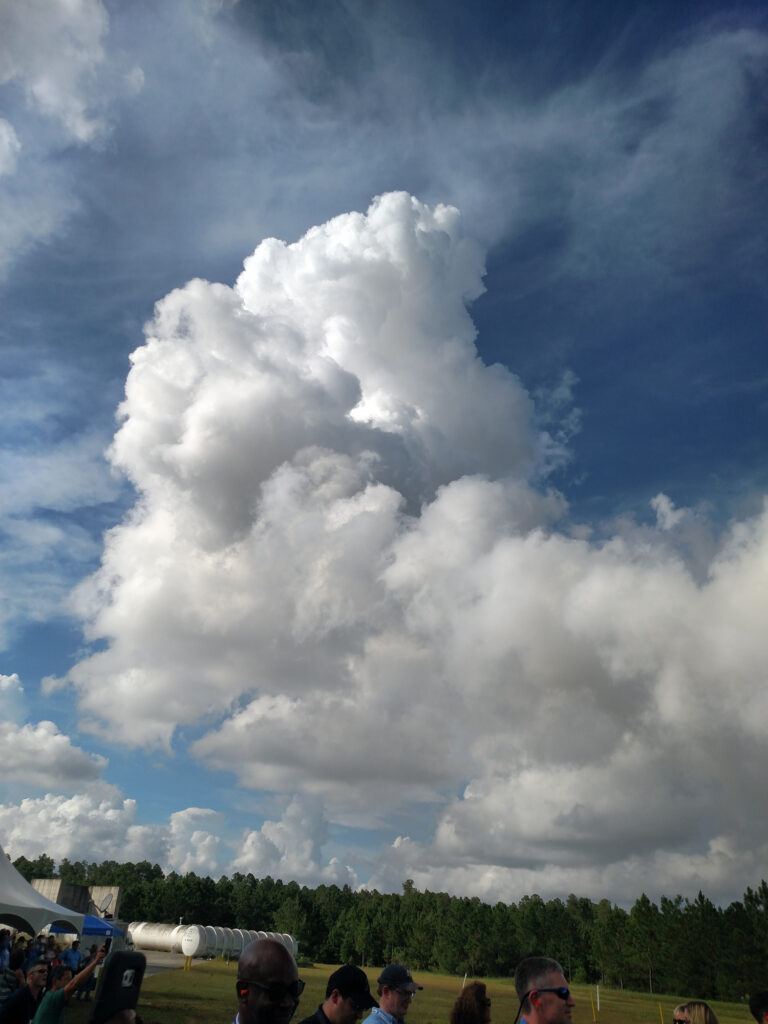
(76, 982)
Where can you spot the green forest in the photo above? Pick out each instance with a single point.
(677, 945)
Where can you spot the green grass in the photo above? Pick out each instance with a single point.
(206, 994)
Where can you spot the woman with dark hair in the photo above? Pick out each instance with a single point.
(472, 1006)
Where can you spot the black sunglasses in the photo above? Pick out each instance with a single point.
(561, 991)
(276, 992)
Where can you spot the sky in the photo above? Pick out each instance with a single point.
(384, 415)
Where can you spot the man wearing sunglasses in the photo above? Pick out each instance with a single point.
(758, 1007)
(396, 988)
(543, 992)
(21, 1007)
(347, 997)
(267, 986)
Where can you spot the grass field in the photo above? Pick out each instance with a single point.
(206, 995)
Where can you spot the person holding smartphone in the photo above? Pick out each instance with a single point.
(61, 988)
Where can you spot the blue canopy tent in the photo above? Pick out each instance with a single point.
(94, 926)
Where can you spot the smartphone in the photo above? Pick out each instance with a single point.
(107, 945)
(119, 984)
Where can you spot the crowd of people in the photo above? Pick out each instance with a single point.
(38, 977)
(268, 990)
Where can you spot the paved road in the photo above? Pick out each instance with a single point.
(158, 961)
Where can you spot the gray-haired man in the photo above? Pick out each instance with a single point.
(543, 992)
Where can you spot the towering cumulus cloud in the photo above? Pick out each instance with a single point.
(284, 436)
(344, 566)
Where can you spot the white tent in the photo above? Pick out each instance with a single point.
(25, 908)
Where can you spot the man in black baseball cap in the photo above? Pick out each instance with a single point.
(396, 989)
(347, 997)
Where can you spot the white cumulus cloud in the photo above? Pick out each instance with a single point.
(292, 848)
(39, 754)
(99, 823)
(344, 562)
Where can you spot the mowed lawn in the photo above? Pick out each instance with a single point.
(206, 995)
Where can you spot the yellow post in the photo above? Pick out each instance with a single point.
(594, 1015)
(661, 1014)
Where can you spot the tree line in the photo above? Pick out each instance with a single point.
(690, 947)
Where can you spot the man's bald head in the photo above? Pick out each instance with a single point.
(261, 955)
(268, 986)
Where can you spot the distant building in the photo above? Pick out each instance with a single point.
(85, 899)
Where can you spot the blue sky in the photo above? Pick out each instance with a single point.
(383, 467)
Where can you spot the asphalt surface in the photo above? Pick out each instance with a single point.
(158, 961)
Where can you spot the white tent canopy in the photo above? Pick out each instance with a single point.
(23, 907)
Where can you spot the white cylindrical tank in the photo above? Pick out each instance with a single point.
(178, 936)
(204, 940)
(194, 941)
(157, 936)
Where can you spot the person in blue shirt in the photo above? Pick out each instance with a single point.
(72, 957)
(543, 992)
(396, 989)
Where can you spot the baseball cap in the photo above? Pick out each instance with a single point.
(397, 976)
(353, 984)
